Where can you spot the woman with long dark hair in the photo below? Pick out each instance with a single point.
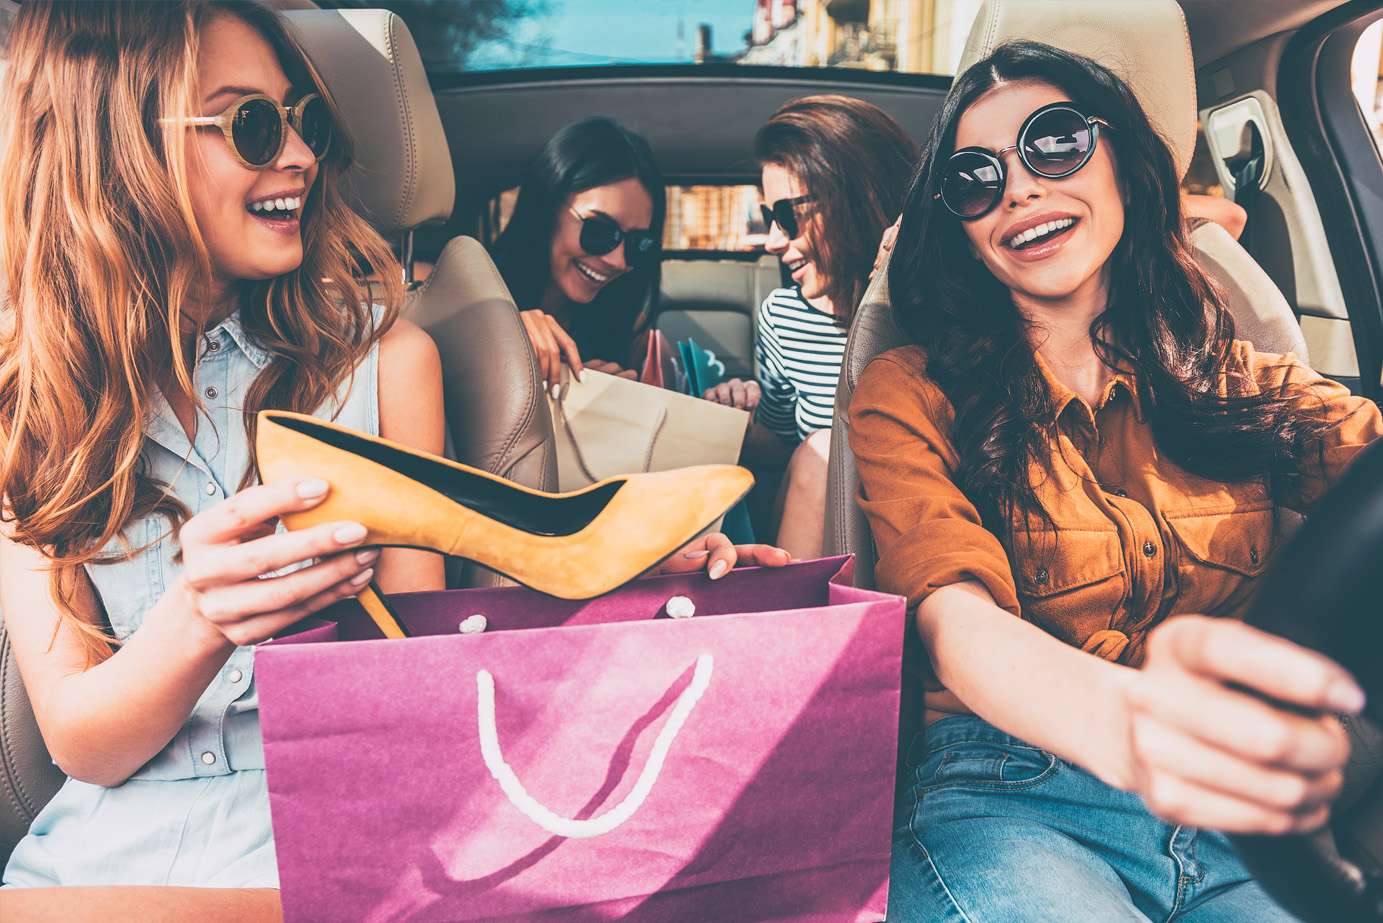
(581, 252)
(1077, 439)
(835, 170)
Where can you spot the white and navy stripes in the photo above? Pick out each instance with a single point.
(798, 350)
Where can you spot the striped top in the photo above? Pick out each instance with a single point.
(798, 351)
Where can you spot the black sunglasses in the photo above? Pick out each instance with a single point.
(256, 127)
(600, 234)
(784, 214)
(1053, 142)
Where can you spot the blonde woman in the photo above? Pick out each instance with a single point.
(163, 280)
(176, 257)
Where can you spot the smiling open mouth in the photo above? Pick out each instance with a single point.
(1040, 234)
(796, 265)
(284, 208)
(591, 274)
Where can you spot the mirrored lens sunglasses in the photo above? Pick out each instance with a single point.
(1054, 142)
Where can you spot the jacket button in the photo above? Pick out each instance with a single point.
(1253, 555)
(1041, 576)
(1149, 549)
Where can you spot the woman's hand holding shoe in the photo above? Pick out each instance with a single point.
(228, 547)
(1235, 729)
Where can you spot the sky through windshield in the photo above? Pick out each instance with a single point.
(467, 36)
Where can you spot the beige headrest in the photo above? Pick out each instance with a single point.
(402, 175)
(1143, 41)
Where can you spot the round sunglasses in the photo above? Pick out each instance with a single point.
(1053, 142)
(784, 214)
(256, 127)
(600, 234)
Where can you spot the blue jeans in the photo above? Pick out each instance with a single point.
(988, 829)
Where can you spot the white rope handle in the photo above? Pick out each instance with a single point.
(596, 826)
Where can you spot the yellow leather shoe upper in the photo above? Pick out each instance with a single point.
(648, 517)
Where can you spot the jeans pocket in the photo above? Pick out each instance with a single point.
(986, 766)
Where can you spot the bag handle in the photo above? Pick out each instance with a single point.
(559, 404)
(596, 826)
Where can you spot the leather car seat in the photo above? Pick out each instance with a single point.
(1147, 44)
(402, 178)
(497, 417)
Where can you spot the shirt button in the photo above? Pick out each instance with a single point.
(1041, 576)
(210, 489)
(236, 676)
(211, 393)
(208, 757)
(214, 346)
(1149, 549)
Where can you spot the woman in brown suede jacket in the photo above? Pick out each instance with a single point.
(1077, 439)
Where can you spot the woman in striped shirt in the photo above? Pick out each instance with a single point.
(835, 171)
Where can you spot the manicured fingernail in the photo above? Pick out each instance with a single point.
(312, 488)
(367, 556)
(693, 555)
(581, 376)
(718, 569)
(363, 577)
(1344, 696)
(349, 534)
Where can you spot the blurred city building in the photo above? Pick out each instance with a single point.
(914, 36)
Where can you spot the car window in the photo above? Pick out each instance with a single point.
(1366, 74)
(716, 218)
(1201, 178)
(882, 35)
(700, 218)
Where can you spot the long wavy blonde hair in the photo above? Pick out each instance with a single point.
(103, 264)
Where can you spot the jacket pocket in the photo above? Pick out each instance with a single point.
(1239, 542)
(1071, 583)
(1050, 563)
(1220, 557)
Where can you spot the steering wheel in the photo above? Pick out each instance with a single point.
(1324, 590)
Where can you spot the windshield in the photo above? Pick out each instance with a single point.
(468, 36)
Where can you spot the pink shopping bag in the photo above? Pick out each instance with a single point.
(590, 761)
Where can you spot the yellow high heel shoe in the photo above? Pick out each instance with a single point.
(575, 545)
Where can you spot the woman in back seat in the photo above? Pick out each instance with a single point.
(835, 170)
(582, 251)
(1073, 476)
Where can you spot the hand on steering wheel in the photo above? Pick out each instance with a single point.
(1233, 728)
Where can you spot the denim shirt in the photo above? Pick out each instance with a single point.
(222, 734)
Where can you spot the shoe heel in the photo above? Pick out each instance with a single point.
(372, 601)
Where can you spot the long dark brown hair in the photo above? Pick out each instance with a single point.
(1163, 321)
(593, 152)
(854, 160)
